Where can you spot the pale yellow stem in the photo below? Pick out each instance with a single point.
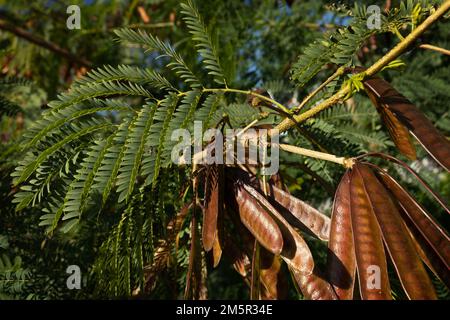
(435, 48)
(337, 73)
(346, 162)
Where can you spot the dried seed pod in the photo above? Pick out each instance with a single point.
(256, 219)
(277, 181)
(314, 286)
(300, 214)
(218, 240)
(410, 269)
(369, 252)
(217, 252)
(195, 287)
(426, 251)
(237, 257)
(295, 250)
(397, 131)
(394, 106)
(424, 222)
(273, 279)
(341, 261)
(213, 205)
(255, 281)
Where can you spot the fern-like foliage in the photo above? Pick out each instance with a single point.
(104, 147)
(119, 267)
(7, 85)
(8, 108)
(204, 41)
(110, 134)
(339, 47)
(152, 43)
(13, 277)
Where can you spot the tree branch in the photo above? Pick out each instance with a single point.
(37, 40)
(340, 71)
(400, 48)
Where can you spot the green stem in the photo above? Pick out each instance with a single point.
(398, 34)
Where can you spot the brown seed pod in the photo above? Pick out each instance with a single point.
(314, 286)
(341, 261)
(397, 131)
(432, 239)
(213, 205)
(217, 252)
(273, 279)
(239, 247)
(427, 252)
(300, 214)
(256, 219)
(410, 269)
(162, 251)
(274, 284)
(394, 106)
(295, 250)
(237, 257)
(424, 222)
(369, 251)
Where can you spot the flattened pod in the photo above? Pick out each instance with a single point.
(424, 222)
(423, 130)
(237, 257)
(273, 279)
(212, 207)
(426, 252)
(295, 250)
(410, 269)
(217, 252)
(369, 252)
(301, 214)
(341, 261)
(313, 286)
(258, 221)
(277, 181)
(397, 131)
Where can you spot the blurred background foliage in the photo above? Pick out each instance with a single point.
(260, 40)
